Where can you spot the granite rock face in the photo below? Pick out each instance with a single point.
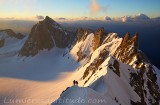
(98, 38)
(45, 35)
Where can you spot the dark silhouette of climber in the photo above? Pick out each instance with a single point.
(74, 82)
(77, 83)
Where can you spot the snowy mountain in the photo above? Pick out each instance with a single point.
(110, 70)
(45, 35)
(116, 69)
(8, 37)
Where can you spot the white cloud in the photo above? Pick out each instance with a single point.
(126, 19)
(39, 17)
(95, 7)
(141, 17)
(107, 18)
(62, 18)
(132, 18)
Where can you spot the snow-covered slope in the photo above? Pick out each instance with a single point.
(125, 82)
(8, 37)
(10, 43)
(104, 87)
(41, 77)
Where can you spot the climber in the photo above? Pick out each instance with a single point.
(74, 82)
(77, 83)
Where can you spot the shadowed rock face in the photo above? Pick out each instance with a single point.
(81, 34)
(2, 41)
(45, 35)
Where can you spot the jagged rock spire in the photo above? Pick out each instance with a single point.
(81, 34)
(128, 48)
(125, 39)
(45, 35)
(98, 38)
(135, 40)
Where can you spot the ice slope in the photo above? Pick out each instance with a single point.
(158, 75)
(116, 86)
(84, 46)
(11, 49)
(42, 77)
(105, 84)
(83, 96)
(38, 77)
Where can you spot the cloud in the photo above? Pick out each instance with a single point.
(126, 19)
(95, 7)
(62, 19)
(158, 18)
(133, 18)
(39, 17)
(141, 17)
(7, 18)
(107, 18)
(85, 17)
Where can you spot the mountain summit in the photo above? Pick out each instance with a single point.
(45, 34)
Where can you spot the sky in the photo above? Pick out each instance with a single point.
(29, 9)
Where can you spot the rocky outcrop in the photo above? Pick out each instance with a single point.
(80, 55)
(128, 49)
(45, 35)
(2, 41)
(125, 40)
(81, 34)
(93, 67)
(98, 38)
(128, 53)
(115, 67)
